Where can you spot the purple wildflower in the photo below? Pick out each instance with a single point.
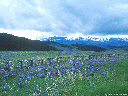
(31, 86)
(36, 86)
(104, 73)
(49, 73)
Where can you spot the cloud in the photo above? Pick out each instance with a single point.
(66, 17)
(114, 20)
(33, 35)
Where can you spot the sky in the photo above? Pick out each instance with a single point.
(36, 19)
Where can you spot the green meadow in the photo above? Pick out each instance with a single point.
(68, 77)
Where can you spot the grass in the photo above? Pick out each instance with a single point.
(70, 84)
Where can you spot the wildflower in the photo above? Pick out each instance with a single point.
(36, 86)
(104, 73)
(5, 87)
(53, 73)
(31, 86)
(73, 69)
(49, 73)
(92, 70)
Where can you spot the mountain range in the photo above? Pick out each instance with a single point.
(10, 42)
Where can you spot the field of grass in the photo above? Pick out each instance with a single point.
(101, 77)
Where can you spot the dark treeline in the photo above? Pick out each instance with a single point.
(83, 47)
(9, 42)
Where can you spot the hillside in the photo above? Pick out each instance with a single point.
(9, 42)
(83, 47)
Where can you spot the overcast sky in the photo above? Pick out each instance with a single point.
(70, 18)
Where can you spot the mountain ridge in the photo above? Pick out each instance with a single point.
(10, 42)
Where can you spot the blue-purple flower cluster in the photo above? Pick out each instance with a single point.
(84, 68)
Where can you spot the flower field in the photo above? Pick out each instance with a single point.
(82, 73)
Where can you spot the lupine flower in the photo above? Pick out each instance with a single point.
(5, 87)
(49, 73)
(31, 86)
(36, 86)
(104, 73)
(24, 82)
(37, 94)
(42, 75)
(40, 69)
(53, 73)
(92, 70)
(73, 69)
